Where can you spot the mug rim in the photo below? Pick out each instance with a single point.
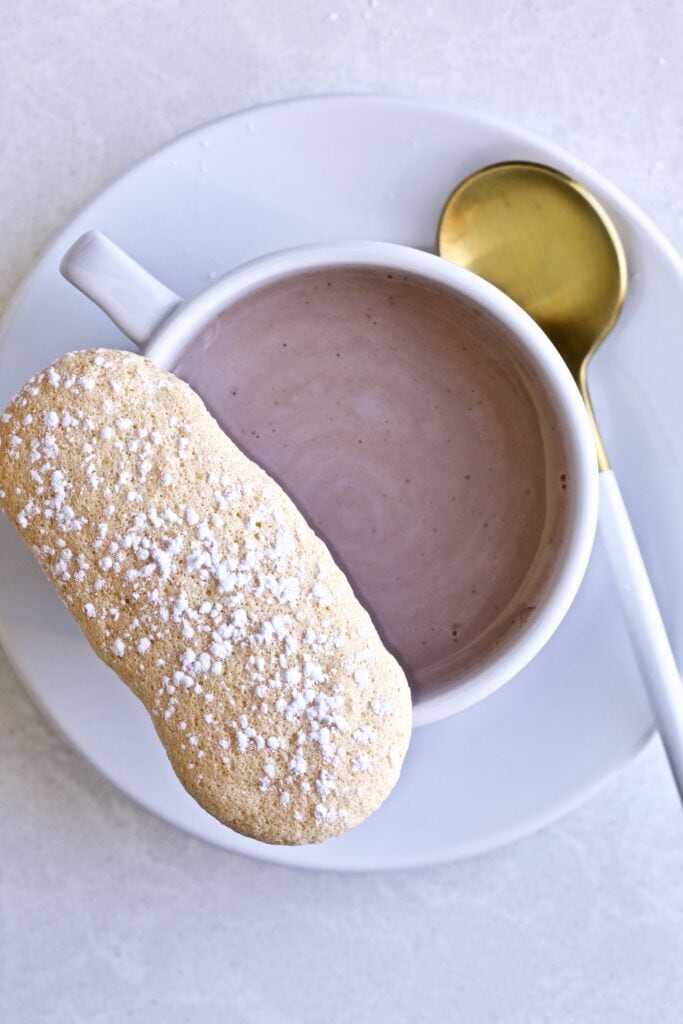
(172, 336)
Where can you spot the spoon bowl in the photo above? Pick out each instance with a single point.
(547, 243)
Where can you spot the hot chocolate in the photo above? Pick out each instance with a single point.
(411, 431)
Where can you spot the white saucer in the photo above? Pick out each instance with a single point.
(378, 168)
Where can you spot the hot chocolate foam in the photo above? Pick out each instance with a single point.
(414, 439)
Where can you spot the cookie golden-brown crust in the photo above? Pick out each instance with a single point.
(196, 579)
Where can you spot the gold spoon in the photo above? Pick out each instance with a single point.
(542, 238)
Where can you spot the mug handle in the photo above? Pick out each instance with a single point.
(129, 295)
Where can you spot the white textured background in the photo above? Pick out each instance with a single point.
(106, 915)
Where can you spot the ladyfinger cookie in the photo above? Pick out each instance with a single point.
(194, 577)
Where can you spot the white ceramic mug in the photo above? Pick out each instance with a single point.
(161, 325)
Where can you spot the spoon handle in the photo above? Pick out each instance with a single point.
(644, 621)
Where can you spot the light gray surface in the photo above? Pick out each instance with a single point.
(108, 915)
